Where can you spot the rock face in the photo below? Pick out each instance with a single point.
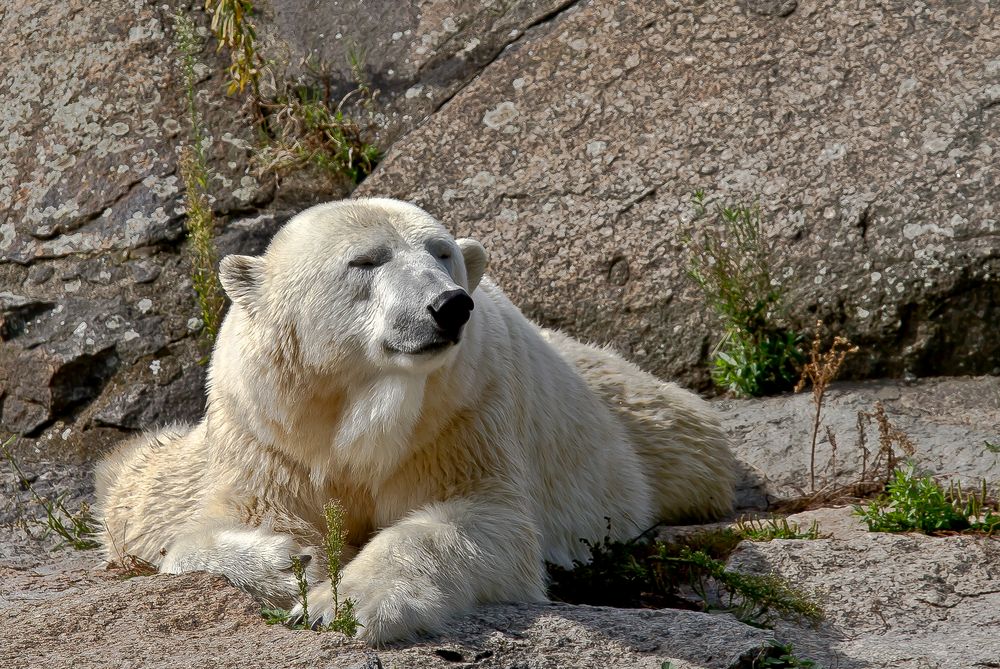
(868, 133)
(417, 54)
(867, 130)
(891, 601)
(96, 307)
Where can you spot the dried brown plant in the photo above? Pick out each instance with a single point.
(819, 372)
(894, 445)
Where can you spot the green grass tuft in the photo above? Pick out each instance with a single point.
(769, 529)
(306, 131)
(75, 529)
(781, 656)
(914, 503)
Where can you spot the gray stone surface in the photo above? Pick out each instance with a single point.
(892, 601)
(572, 156)
(868, 132)
(949, 420)
(838, 522)
(96, 306)
(199, 620)
(93, 111)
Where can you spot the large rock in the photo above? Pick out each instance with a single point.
(572, 156)
(867, 131)
(891, 601)
(417, 54)
(94, 111)
(97, 311)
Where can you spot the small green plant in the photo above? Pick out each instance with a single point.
(991, 446)
(768, 529)
(688, 573)
(914, 503)
(781, 656)
(307, 131)
(300, 124)
(334, 541)
(356, 61)
(732, 264)
(344, 620)
(299, 570)
(75, 529)
(276, 616)
(752, 598)
(195, 174)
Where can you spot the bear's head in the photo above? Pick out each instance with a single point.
(373, 283)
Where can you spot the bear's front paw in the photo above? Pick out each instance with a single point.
(386, 609)
(254, 559)
(319, 611)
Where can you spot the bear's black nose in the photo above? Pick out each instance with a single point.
(451, 310)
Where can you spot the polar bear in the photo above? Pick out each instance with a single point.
(366, 359)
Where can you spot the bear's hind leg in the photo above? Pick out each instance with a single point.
(147, 490)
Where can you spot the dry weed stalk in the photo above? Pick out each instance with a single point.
(890, 438)
(820, 371)
(232, 25)
(832, 438)
(193, 166)
(201, 242)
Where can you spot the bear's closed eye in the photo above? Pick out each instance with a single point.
(371, 259)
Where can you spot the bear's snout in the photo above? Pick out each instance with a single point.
(451, 310)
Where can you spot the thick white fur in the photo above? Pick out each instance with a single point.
(460, 474)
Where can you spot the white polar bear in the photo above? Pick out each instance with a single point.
(467, 445)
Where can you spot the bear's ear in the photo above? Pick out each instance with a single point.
(475, 258)
(242, 277)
